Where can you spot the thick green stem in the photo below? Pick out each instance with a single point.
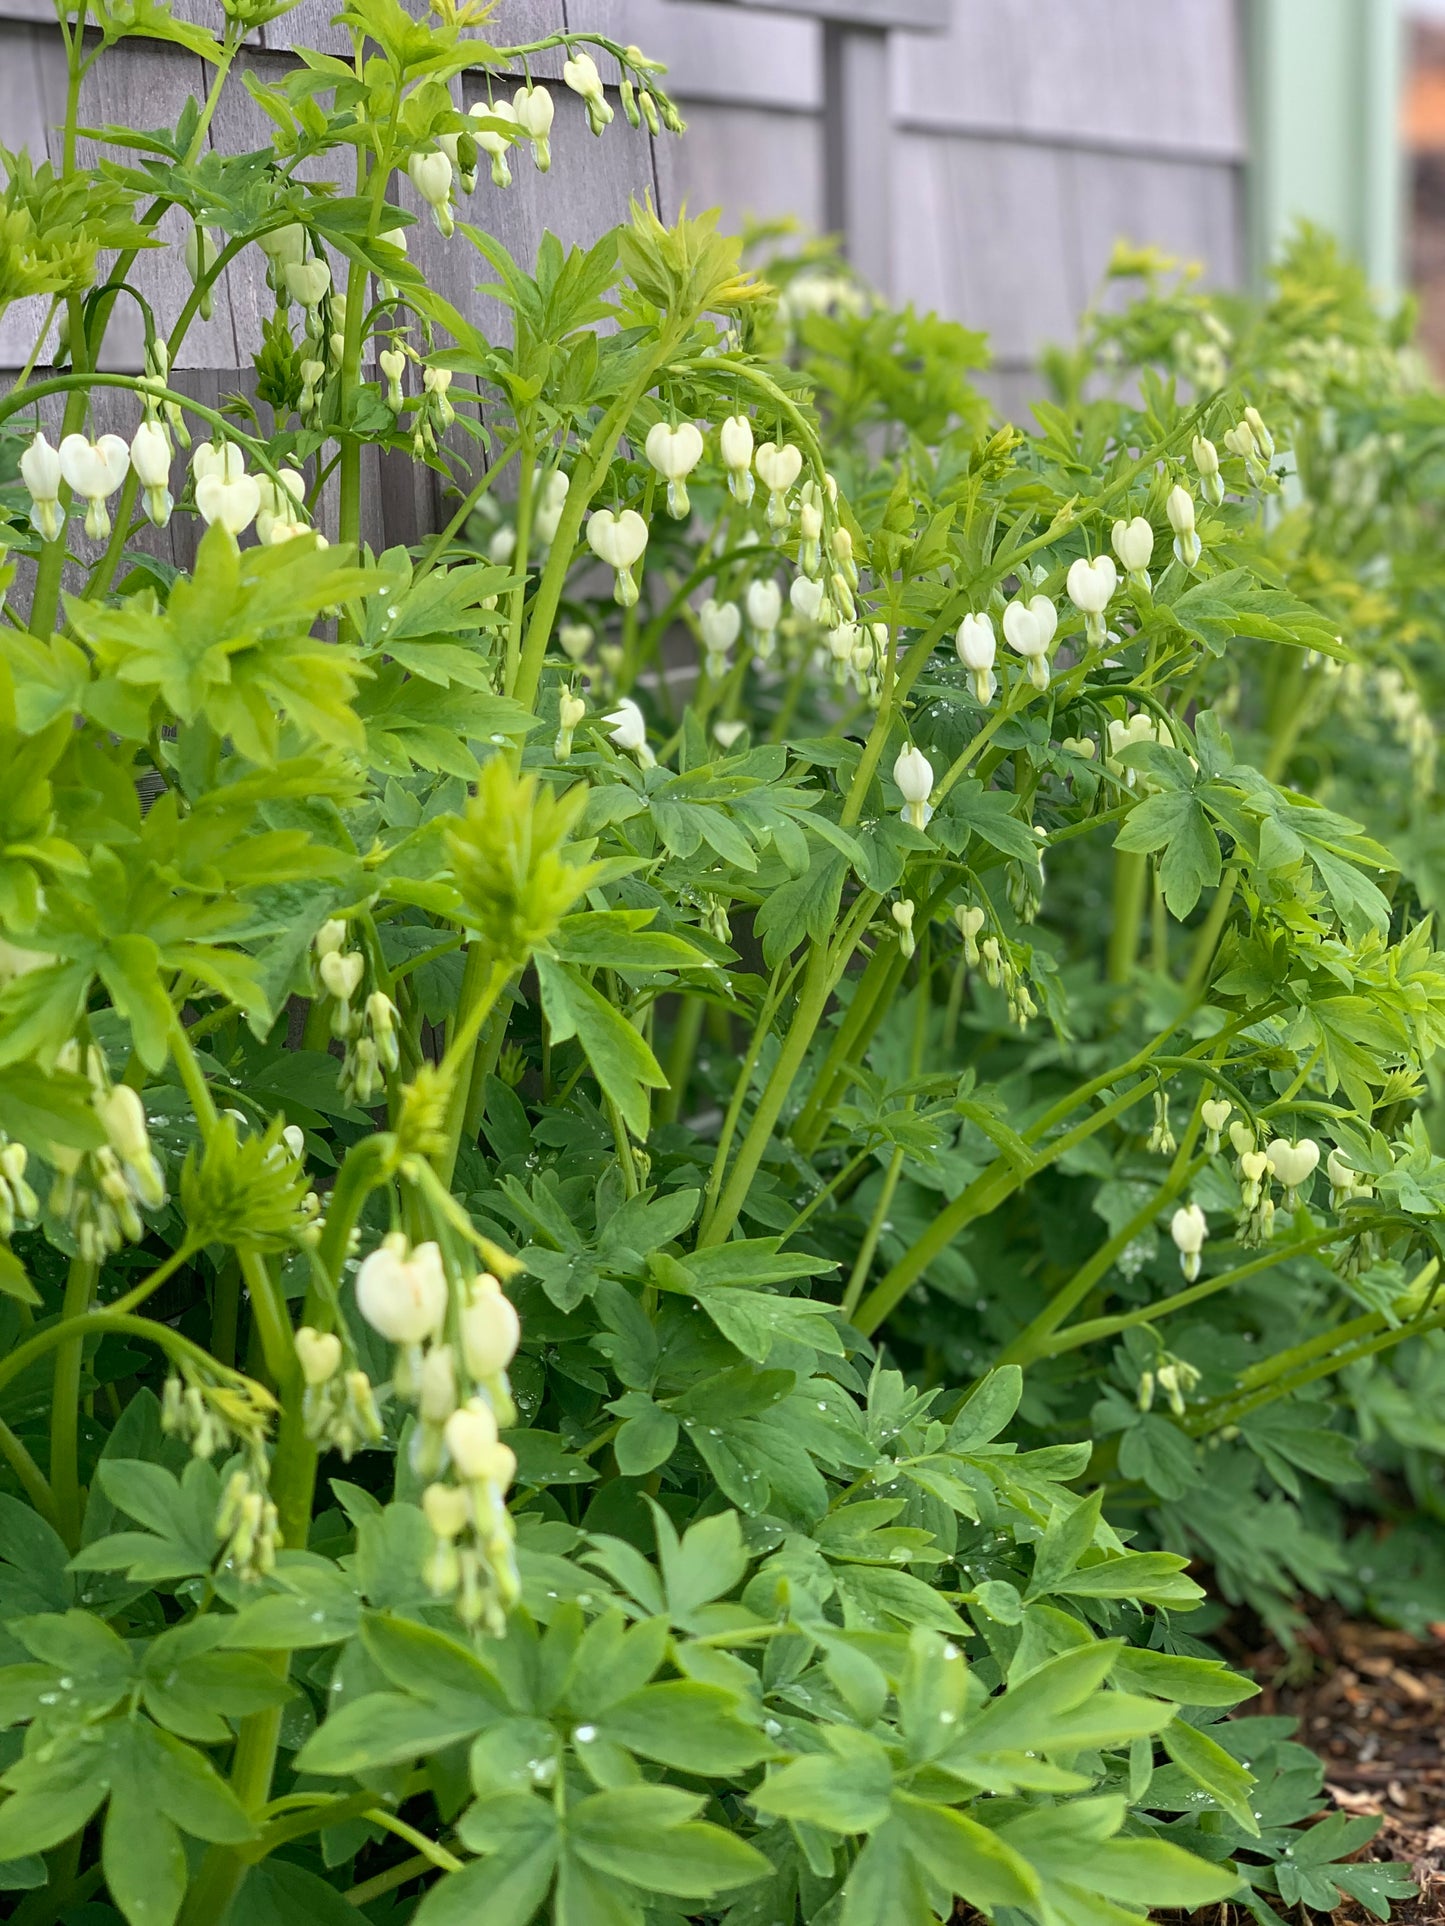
(825, 965)
(982, 1196)
(65, 1403)
(1131, 875)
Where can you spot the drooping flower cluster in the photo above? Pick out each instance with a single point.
(368, 1029)
(99, 1194)
(453, 1348)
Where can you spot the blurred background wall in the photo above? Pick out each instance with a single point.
(992, 161)
(979, 156)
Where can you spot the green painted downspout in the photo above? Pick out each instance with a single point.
(1323, 88)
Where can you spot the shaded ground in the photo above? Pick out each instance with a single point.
(1373, 1708)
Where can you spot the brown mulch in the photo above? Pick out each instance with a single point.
(1372, 1705)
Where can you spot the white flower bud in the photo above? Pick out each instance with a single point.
(735, 441)
(913, 773)
(1133, 544)
(764, 603)
(628, 728)
(308, 282)
(534, 109)
(490, 1328)
(576, 638)
(319, 1353)
(1294, 1164)
(1189, 1228)
(471, 1438)
(201, 252)
(779, 466)
(331, 935)
(437, 1385)
(41, 473)
(493, 143)
(402, 1293)
(720, 624)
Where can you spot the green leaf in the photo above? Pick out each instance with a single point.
(143, 1859)
(693, 1728)
(1210, 1766)
(277, 1892)
(637, 1833)
(620, 1058)
(1176, 822)
(968, 1859)
(845, 1790)
(386, 1728)
(1069, 1535)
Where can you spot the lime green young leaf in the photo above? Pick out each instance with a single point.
(972, 1862)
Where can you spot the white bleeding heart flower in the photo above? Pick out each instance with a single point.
(1180, 510)
(41, 473)
(970, 918)
(728, 732)
(494, 143)
(1294, 1164)
(977, 648)
(764, 603)
(281, 504)
(735, 443)
(913, 773)
(431, 175)
(674, 453)
(581, 75)
(94, 470)
(150, 457)
(1133, 544)
(1028, 629)
(1189, 1228)
(401, 1290)
(720, 624)
(618, 540)
(319, 1355)
(490, 1327)
(1214, 1114)
(307, 282)
(534, 108)
(628, 728)
(229, 496)
(806, 598)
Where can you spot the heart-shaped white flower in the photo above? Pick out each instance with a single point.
(1092, 583)
(618, 540)
(720, 623)
(779, 466)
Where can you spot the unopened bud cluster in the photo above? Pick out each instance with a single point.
(366, 1024)
(99, 1194)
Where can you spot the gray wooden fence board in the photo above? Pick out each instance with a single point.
(980, 233)
(746, 160)
(1189, 208)
(32, 91)
(1144, 73)
(719, 53)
